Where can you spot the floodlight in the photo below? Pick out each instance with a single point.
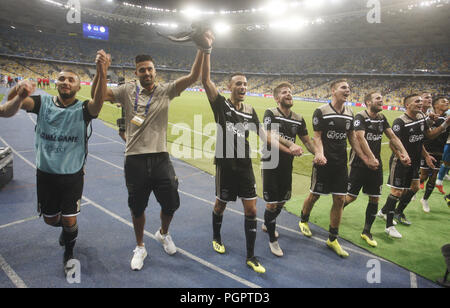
(191, 12)
(221, 28)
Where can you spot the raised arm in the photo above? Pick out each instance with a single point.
(102, 61)
(18, 98)
(208, 85)
(108, 94)
(183, 82)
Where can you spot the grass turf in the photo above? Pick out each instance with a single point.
(418, 250)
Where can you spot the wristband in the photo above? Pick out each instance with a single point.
(207, 50)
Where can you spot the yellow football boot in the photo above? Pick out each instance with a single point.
(254, 264)
(218, 247)
(334, 245)
(369, 240)
(305, 229)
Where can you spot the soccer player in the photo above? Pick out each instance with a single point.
(411, 128)
(277, 182)
(445, 163)
(435, 148)
(61, 146)
(427, 100)
(333, 125)
(234, 171)
(369, 126)
(147, 163)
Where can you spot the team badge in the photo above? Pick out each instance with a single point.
(267, 120)
(315, 120)
(396, 128)
(347, 125)
(357, 123)
(294, 129)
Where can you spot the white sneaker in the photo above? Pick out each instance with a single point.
(166, 241)
(275, 248)
(384, 216)
(264, 228)
(137, 262)
(392, 232)
(425, 206)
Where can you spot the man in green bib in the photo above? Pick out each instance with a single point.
(62, 131)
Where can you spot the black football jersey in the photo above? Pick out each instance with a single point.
(334, 127)
(289, 127)
(374, 129)
(233, 130)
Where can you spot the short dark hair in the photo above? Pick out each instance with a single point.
(368, 97)
(437, 99)
(70, 71)
(408, 97)
(142, 58)
(334, 83)
(277, 89)
(236, 74)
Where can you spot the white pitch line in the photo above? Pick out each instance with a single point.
(28, 219)
(412, 275)
(413, 279)
(182, 251)
(179, 250)
(12, 275)
(259, 219)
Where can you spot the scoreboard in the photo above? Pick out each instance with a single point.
(95, 32)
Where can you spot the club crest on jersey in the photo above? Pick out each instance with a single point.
(315, 120)
(294, 129)
(347, 125)
(267, 120)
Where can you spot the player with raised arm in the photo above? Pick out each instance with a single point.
(61, 146)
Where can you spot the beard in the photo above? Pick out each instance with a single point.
(144, 82)
(375, 109)
(285, 104)
(69, 95)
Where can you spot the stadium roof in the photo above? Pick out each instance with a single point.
(296, 24)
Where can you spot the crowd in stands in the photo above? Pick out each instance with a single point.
(269, 66)
(405, 59)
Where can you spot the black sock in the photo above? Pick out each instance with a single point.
(70, 235)
(250, 234)
(333, 233)
(405, 199)
(389, 208)
(371, 213)
(429, 189)
(270, 222)
(217, 224)
(304, 218)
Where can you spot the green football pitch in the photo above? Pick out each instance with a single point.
(190, 118)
